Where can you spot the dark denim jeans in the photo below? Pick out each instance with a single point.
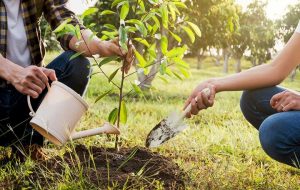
(279, 132)
(14, 113)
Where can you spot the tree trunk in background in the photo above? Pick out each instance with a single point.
(200, 54)
(238, 68)
(293, 74)
(146, 80)
(253, 61)
(226, 60)
(218, 58)
(199, 60)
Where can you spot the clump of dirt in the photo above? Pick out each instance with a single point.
(130, 167)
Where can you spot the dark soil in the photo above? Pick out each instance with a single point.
(136, 167)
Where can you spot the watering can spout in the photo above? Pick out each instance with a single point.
(105, 129)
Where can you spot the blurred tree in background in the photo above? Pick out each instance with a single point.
(227, 31)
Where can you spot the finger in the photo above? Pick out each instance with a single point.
(35, 88)
(200, 103)
(37, 81)
(50, 73)
(194, 109)
(276, 98)
(31, 93)
(188, 115)
(280, 104)
(187, 102)
(289, 107)
(205, 100)
(42, 76)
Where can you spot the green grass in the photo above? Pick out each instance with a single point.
(220, 150)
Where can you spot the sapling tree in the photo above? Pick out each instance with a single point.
(148, 24)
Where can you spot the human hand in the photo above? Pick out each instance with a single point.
(32, 80)
(203, 101)
(286, 101)
(112, 48)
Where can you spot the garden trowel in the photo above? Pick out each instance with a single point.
(169, 127)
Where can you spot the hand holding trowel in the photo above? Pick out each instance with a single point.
(171, 126)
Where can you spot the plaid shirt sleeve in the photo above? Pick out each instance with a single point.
(56, 12)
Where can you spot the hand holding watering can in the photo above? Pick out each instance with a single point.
(58, 114)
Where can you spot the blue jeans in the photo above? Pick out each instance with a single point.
(15, 129)
(279, 132)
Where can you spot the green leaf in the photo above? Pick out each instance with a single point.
(112, 76)
(195, 28)
(117, 2)
(107, 60)
(141, 59)
(124, 10)
(110, 26)
(123, 38)
(107, 12)
(148, 16)
(180, 5)
(123, 113)
(164, 45)
(177, 75)
(139, 25)
(89, 11)
(164, 16)
(163, 67)
(176, 37)
(77, 32)
(142, 41)
(185, 73)
(152, 50)
(62, 26)
(163, 79)
(137, 89)
(112, 118)
(103, 95)
(176, 52)
(180, 63)
(75, 55)
(172, 10)
(190, 33)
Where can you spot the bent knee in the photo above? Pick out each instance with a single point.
(274, 138)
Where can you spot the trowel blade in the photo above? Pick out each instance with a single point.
(165, 130)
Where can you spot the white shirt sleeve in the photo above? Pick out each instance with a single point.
(298, 28)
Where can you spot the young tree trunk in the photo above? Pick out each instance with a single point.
(146, 80)
(238, 68)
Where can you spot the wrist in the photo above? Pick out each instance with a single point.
(8, 70)
(215, 83)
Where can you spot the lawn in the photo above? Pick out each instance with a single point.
(220, 150)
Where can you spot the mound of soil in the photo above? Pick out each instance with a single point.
(135, 167)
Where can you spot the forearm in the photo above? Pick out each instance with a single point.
(86, 45)
(263, 75)
(7, 69)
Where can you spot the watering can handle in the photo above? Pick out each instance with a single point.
(206, 91)
(32, 112)
(106, 128)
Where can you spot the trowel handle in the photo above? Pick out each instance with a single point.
(206, 91)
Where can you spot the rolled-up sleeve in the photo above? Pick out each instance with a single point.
(56, 12)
